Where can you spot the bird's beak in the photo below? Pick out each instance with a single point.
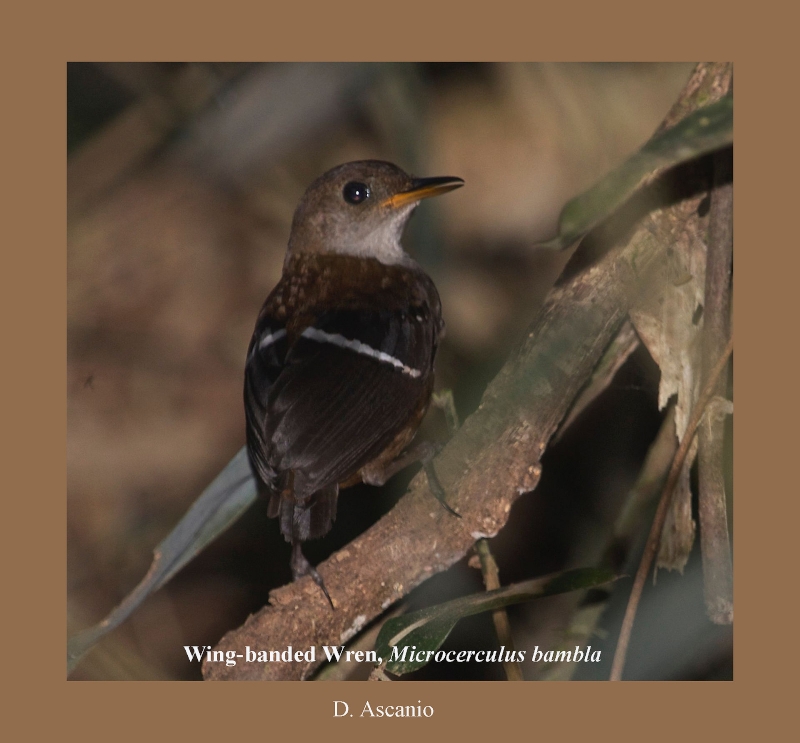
(423, 188)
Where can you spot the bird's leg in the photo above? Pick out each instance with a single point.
(379, 475)
(301, 567)
(424, 452)
(445, 402)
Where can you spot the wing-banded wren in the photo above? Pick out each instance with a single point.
(339, 371)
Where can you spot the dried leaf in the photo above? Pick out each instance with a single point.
(668, 320)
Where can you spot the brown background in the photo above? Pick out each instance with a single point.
(35, 309)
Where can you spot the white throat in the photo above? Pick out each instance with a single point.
(382, 243)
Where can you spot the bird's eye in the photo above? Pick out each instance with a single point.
(355, 192)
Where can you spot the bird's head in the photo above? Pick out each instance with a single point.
(360, 208)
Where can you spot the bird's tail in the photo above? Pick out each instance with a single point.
(307, 519)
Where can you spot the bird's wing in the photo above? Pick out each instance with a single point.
(328, 401)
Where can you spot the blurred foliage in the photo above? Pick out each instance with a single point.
(427, 629)
(219, 506)
(703, 131)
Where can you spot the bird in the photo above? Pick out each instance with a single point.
(340, 367)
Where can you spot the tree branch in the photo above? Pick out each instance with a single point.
(615, 356)
(491, 579)
(714, 540)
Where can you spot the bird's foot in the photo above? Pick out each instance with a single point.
(302, 567)
(436, 487)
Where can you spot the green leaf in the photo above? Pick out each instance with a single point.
(218, 506)
(427, 629)
(707, 129)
